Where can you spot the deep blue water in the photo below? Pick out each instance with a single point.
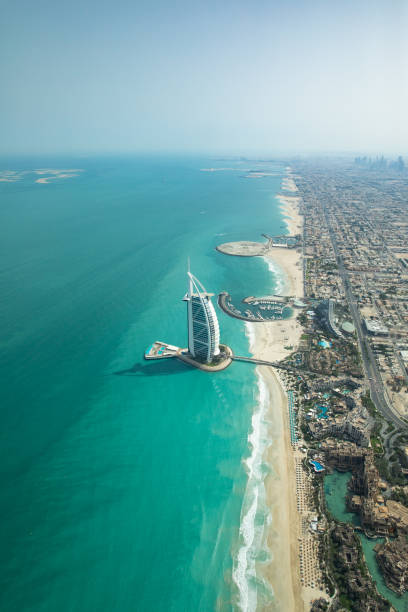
(122, 480)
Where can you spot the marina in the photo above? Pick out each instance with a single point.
(256, 310)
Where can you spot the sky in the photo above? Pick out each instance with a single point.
(217, 76)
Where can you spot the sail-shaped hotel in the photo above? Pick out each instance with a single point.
(204, 349)
(203, 327)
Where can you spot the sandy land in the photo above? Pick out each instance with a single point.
(288, 184)
(290, 208)
(290, 262)
(283, 571)
(270, 340)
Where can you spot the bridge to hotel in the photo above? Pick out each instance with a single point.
(274, 364)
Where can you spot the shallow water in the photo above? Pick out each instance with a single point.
(123, 480)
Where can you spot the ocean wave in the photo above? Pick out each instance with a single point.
(279, 275)
(250, 334)
(255, 516)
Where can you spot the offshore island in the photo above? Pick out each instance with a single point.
(204, 351)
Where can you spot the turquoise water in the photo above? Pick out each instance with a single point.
(335, 487)
(123, 480)
(318, 466)
(322, 412)
(324, 343)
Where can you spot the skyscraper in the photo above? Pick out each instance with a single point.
(203, 328)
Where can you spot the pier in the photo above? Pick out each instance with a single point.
(280, 365)
(272, 364)
(162, 350)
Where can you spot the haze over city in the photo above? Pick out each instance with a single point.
(204, 306)
(227, 77)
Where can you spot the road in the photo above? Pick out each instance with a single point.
(370, 365)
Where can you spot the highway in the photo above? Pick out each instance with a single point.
(370, 365)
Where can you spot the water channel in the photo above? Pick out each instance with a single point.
(335, 489)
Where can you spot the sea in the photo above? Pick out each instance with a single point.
(128, 485)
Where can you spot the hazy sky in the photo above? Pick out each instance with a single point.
(216, 76)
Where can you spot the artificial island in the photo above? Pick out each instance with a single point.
(337, 417)
(204, 351)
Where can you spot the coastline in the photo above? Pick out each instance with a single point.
(268, 341)
(289, 263)
(290, 208)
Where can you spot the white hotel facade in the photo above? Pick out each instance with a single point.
(203, 327)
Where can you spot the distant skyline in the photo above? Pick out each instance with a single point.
(215, 77)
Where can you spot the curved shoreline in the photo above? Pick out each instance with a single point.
(281, 529)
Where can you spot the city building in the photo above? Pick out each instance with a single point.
(375, 328)
(203, 327)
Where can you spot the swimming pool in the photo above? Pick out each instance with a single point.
(324, 344)
(322, 414)
(318, 467)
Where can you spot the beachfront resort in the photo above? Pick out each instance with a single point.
(343, 386)
(334, 412)
(351, 411)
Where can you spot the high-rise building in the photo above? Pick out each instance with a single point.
(203, 328)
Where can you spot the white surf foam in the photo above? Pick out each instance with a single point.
(278, 274)
(250, 334)
(254, 514)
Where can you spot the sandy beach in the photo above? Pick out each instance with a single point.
(289, 262)
(274, 341)
(282, 572)
(290, 208)
(288, 184)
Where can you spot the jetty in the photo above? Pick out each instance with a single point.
(258, 310)
(280, 365)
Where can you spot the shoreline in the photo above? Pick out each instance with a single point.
(289, 205)
(282, 570)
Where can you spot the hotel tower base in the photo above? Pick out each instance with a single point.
(185, 356)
